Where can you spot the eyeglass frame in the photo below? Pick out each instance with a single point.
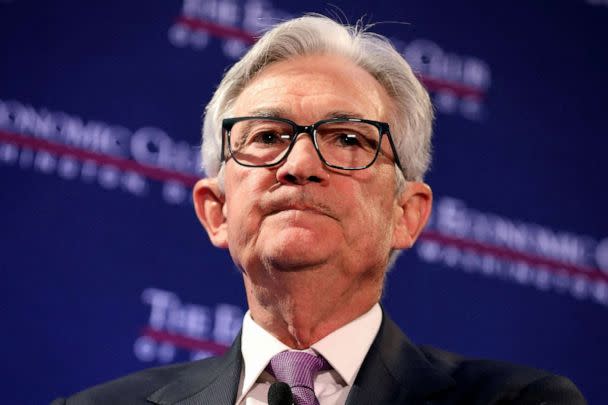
(383, 128)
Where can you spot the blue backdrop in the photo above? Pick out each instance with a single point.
(105, 269)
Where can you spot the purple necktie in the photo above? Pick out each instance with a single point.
(298, 370)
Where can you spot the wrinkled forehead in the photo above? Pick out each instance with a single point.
(314, 87)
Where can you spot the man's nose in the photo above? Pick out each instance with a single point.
(303, 165)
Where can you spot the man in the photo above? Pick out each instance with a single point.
(315, 145)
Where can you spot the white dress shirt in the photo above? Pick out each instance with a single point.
(344, 349)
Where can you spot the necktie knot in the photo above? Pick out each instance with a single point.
(298, 370)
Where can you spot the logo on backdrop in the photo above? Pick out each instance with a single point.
(112, 156)
(463, 238)
(457, 83)
(236, 24)
(178, 330)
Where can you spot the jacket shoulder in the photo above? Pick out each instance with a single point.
(488, 382)
(136, 387)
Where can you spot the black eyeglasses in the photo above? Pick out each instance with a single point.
(341, 143)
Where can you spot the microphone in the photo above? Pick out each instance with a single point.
(280, 394)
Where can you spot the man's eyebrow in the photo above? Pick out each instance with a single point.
(268, 112)
(282, 113)
(342, 114)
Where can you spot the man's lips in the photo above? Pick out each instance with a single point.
(276, 206)
(296, 211)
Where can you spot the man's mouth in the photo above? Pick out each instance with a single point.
(286, 205)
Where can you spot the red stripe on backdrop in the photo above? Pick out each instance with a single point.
(514, 256)
(152, 172)
(460, 90)
(223, 31)
(184, 342)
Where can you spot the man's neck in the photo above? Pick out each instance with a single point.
(301, 312)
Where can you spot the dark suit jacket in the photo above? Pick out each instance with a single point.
(394, 372)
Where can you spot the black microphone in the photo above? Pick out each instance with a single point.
(280, 394)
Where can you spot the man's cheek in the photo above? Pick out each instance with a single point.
(245, 219)
(239, 231)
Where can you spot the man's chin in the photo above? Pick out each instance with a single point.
(300, 244)
(308, 231)
(299, 219)
(297, 252)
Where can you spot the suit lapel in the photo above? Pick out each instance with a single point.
(212, 381)
(395, 371)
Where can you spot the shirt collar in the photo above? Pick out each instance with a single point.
(258, 347)
(345, 348)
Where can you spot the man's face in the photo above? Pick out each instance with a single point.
(302, 220)
(302, 213)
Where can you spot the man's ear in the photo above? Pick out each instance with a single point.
(209, 204)
(411, 214)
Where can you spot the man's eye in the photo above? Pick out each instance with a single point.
(346, 139)
(265, 137)
(269, 138)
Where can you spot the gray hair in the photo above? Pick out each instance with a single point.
(412, 120)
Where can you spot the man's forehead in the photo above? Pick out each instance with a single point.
(279, 112)
(310, 88)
